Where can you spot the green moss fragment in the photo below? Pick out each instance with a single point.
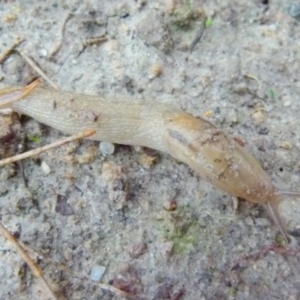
(208, 22)
(34, 139)
(181, 227)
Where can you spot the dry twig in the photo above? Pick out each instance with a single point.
(34, 267)
(23, 91)
(36, 68)
(9, 51)
(62, 33)
(37, 151)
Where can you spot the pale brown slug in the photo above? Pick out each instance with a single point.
(206, 149)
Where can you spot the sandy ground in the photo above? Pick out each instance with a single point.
(112, 211)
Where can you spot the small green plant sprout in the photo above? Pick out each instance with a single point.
(271, 94)
(208, 22)
(34, 139)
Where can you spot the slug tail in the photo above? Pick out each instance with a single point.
(272, 208)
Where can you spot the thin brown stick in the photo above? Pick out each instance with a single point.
(197, 38)
(37, 151)
(94, 41)
(34, 267)
(36, 68)
(8, 52)
(114, 290)
(62, 33)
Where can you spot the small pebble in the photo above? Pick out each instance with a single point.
(285, 145)
(287, 104)
(43, 52)
(286, 101)
(233, 279)
(147, 160)
(294, 10)
(46, 169)
(62, 206)
(106, 148)
(156, 70)
(263, 131)
(128, 280)
(138, 149)
(141, 3)
(208, 113)
(258, 116)
(97, 273)
(170, 205)
(137, 249)
(86, 158)
(241, 88)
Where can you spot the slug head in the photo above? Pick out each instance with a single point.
(221, 161)
(216, 157)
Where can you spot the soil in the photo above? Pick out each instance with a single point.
(157, 229)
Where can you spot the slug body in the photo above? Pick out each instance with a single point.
(206, 149)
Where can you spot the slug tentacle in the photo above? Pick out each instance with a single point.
(294, 194)
(272, 208)
(209, 151)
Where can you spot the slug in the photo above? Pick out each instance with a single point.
(209, 151)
